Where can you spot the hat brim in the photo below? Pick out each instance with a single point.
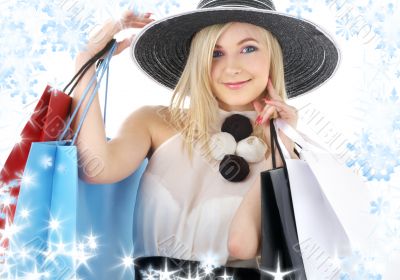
(310, 55)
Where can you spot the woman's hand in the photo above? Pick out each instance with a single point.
(110, 28)
(275, 105)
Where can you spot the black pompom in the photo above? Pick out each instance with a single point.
(238, 126)
(234, 168)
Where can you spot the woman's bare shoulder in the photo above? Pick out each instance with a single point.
(157, 118)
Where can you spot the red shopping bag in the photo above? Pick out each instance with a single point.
(45, 124)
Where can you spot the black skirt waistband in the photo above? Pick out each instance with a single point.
(155, 267)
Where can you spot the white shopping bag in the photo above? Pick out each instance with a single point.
(327, 202)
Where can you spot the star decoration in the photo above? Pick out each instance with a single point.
(8, 231)
(25, 213)
(92, 241)
(278, 274)
(190, 276)
(166, 274)
(225, 276)
(127, 261)
(35, 274)
(28, 179)
(149, 274)
(54, 224)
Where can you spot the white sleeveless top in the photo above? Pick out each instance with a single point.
(185, 211)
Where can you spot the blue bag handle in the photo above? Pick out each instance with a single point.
(99, 71)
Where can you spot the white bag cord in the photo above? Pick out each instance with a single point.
(301, 139)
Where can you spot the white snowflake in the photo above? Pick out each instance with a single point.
(46, 161)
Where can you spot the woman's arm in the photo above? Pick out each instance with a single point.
(101, 161)
(245, 228)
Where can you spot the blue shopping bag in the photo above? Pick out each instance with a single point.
(107, 211)
(46, 214)
(67, 227)
(57, 212)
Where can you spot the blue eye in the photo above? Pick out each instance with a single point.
(250, 47)
(215, 53)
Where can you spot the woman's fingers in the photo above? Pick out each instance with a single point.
(124, 44)
(285, 111)
(112, 27)
(130, 20)
(268, 112)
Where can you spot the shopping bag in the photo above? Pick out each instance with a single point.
(322, 238)
(45, 124)
(57, 211)
(341, 194)
(105, 214)
(278, 224)
(46, 212)
(99, 232)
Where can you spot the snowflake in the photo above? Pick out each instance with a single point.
(360, 266)
(46, 162)
(65, 34)
(345, 27)
(383, 18)
(377, 162)
(149, 273)
(374, 151)
(299, 7)
(166, 7)
(379, 206)
(371, 16)
(339, 5)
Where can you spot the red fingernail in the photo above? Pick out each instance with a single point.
(258, 120)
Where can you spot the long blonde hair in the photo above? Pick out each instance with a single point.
(195, 85)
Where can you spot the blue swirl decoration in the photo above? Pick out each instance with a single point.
(360, 104)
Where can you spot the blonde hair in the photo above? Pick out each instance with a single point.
(195, 82)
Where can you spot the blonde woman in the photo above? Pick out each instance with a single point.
(221, 59)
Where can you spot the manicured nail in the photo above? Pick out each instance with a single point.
(259, 119)
(264, 120)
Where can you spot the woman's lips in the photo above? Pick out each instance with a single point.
(236, 85)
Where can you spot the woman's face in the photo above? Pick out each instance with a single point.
(237, 60)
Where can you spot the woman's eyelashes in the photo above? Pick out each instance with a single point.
(251, 48)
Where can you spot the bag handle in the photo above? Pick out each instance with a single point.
(275, 139)
(100, 71)
(299, 138)
(96, 58)
(94, 92)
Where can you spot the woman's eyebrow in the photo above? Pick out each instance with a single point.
(240, 42)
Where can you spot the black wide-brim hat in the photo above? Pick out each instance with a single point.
(310, 55)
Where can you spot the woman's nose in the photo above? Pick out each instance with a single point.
(233, 67)
(233, 71)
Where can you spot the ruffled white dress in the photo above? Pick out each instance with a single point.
(184, 211)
